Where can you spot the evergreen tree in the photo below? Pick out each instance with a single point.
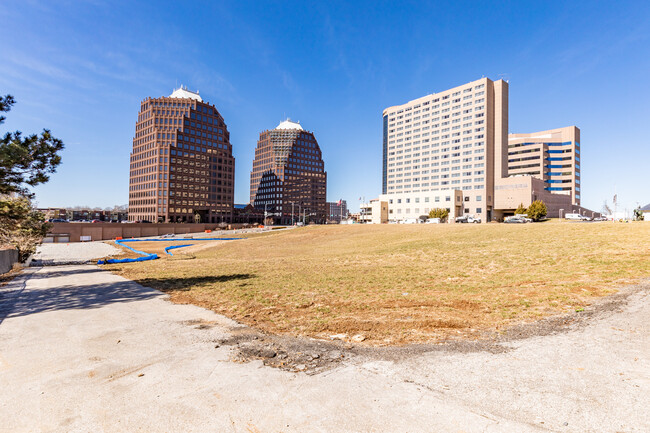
(24, 162)
(521, 209)
(439, 213)
(537, 210)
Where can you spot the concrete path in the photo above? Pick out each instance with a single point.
(82, 350)
(73, 253)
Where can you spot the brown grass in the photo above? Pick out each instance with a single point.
(400, 284)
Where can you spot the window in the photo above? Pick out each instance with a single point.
(466, 198)
(448, 198)
(479, 210)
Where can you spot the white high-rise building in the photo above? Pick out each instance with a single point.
(445, 150)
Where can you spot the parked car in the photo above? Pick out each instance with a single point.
(576, 217)
(600, 218)
(517, 220)
(143, 222)
(95, 221)
(433, 221)
(58, 220)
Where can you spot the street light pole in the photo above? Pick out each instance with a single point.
(292, 213)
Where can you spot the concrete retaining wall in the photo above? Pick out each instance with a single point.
(76, 232)
(7, 259)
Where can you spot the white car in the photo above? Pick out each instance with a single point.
(433, 221)
(576, 217)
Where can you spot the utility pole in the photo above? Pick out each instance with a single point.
(292, 213)
(265, 213)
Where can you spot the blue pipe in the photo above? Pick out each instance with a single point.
(148, 256)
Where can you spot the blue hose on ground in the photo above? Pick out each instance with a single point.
(171, 247)
(148, 256)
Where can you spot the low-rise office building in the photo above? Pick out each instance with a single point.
(373, 212)
(413, 205)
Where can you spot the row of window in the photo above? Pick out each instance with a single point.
(426, 210)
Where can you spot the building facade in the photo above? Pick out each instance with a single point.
(288, 179)
(181, 168)
(454, 140)
(373, 212)
(552, 156)
(337, 210)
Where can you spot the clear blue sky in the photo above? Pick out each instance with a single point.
(82, 68)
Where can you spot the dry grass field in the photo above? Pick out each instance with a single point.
(397, 284)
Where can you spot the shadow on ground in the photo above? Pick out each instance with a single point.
(20, 302)
(16, 302)
(183, 284)
(64, 271)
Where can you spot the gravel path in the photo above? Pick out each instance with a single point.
(75, 252)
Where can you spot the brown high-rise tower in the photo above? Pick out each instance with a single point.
(182, 168)
(289, 175)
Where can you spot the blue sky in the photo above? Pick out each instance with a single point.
(82, 68)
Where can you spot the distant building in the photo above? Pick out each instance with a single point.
(337, 210)
(373, 212)
(78, 214)
(54, 213)
(246, 213)
(451, 150)
(288, 177)
(182, 168)
(552, 156)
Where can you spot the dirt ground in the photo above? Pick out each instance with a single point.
(392, 285)
(314, 356)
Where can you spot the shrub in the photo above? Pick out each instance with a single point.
(21, 225)
(537, 210)
(439, 213)
(521, 209)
